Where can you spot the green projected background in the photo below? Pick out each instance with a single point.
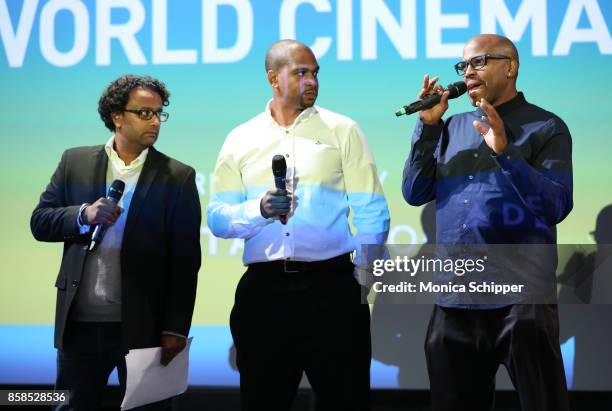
(46, 108)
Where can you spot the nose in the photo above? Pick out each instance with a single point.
(310, 79)
(469, 72)
(155, 119)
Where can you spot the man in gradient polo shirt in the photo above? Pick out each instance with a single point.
(298, 306)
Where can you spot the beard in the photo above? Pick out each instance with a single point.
(306, 101)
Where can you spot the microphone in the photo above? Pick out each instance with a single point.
(115, 191)
(456, 89)
(279, 169)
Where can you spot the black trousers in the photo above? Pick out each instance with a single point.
(284, 324)
(465, 347)
(91, 352)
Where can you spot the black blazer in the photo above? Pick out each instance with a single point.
(160, 254)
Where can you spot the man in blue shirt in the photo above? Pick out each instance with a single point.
(501, 174)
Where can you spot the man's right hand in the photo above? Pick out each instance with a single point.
(274, 203)
(102, 212)
(433, 115)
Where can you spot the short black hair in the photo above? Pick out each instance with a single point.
(117, 94)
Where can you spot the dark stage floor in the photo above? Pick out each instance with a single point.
(227, 399)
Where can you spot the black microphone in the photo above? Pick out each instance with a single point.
(279, 169)
(456, 89)
(115, 191)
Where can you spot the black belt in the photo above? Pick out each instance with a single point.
(291, 266)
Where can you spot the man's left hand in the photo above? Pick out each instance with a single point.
(495, 135)
(171, 345)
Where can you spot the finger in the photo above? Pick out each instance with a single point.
(282, 207)
(279, 199)
(111, 214)
(180, 346)
(108, 208)
(425, 81)
(282, 196)
(424, 87)
(102, 215)
(166, 356)
(105, 202)
(487, 120)
(105, 221)
(433, 82)
(110, 218)
(490, 110)
(480, 127)
(280, 210)
(444, 99)
(492, 118)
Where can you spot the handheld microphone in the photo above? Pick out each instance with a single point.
(115, 191)
(456, 89)
(279, 169)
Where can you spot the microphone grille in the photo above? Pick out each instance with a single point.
(457, 89)
(279, 166)
(116, 189)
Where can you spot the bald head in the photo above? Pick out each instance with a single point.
(279, 54)
(495, 78)
(496, 44)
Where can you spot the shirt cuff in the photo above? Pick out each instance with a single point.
(173, 333)
(429, 132)
(253, 212)
(83, 228)
(507, 158)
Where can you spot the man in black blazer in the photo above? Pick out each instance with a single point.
(137, 288)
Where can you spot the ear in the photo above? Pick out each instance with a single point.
(273, 78)
(116, 117)
(512, 69)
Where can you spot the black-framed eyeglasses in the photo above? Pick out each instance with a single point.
(147, 113)
(478, 62)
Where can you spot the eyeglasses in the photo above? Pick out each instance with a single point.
(147, 113)
(478, 62)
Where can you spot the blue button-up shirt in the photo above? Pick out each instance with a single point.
(516, 197)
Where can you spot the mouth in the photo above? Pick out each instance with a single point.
(310, 93)
(473, 87)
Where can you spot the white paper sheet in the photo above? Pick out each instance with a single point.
(148, 381)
